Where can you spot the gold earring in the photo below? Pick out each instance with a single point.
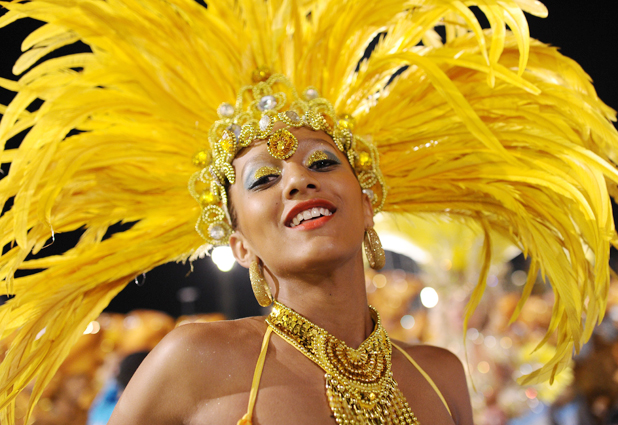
(260, 286)
(373, 249)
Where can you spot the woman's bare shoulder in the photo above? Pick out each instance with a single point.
(447, 372)
(208, 338)
(431, 355)
(211, 345)
(193, 364)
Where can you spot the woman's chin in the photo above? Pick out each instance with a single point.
(321, 259)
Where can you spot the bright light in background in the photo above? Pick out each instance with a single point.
(483, 367)
(519, 277)
(399, 245)
(379, 281)
(224, 259)
(92, 328)
(407, 322)
(188, 294)
(429, 297)
(506, 342)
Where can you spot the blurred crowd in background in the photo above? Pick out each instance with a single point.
(85, 389)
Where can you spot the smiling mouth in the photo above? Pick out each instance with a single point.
(309, 214)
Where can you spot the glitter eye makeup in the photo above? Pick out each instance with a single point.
(259, 176)
(320, 155)
(266, 171)
(315, 157)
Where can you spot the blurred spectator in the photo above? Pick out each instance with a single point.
(104, 404)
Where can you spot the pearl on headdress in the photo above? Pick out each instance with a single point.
(217, 232)
(369, 193)
(267, 103)
(293, 116)
(264, 122)
(225, 110)
(235, 128)
(311, 94)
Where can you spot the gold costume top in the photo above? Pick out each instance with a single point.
(483, 126)
(361, 405)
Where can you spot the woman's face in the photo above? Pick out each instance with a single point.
(301, 213)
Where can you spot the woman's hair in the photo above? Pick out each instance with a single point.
(230, 208)
(128, 366)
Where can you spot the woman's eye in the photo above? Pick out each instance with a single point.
(322, 163)
(264, 175)
(319, 160)
(263, 180)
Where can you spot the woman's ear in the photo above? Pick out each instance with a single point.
(241, 249)
(367, 210)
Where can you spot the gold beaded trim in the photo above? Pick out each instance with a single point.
(359, 382)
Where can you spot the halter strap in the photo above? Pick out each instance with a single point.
(259, 367)
(257, 375)
(427, 377)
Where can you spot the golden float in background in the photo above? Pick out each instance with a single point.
(95, 359)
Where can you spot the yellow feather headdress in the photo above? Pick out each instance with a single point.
(484, 125)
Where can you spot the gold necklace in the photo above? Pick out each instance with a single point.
(359, 383)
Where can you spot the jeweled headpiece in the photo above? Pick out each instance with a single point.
(258, 108)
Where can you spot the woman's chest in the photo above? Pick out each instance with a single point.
(292, 389)
(282, 398)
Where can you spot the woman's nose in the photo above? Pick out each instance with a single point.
(298, 180)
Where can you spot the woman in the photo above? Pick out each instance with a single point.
(477, 126)
(203, 373)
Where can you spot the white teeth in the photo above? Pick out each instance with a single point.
(309, 214)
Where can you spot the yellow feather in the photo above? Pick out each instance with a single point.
(485, 127)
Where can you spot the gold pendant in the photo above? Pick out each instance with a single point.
(359, 382)
(282, 144)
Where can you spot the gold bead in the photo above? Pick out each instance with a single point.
(347, 121)
(201, 159)
(364, 161)
(263, 73)
(207, 198)
(228, 142)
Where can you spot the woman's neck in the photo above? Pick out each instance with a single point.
(335, 300)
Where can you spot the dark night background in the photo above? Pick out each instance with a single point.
(583, 32)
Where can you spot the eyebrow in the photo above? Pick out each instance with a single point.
(258, 158)
(322, 141)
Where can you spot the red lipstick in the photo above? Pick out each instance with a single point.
(307, 205)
